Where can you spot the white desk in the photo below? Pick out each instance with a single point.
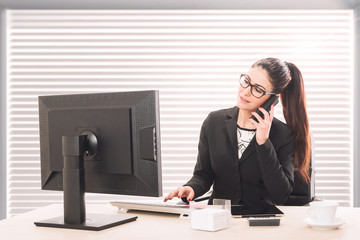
(162, 226)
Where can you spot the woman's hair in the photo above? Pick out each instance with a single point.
(287, 80)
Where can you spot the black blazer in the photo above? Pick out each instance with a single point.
(263, 174)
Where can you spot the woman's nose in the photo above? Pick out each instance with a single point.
(247, 91)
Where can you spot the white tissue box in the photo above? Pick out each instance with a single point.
(210, 219)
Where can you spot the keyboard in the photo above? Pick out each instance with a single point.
(153, 206)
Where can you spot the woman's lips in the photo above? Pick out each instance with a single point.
(244, 100)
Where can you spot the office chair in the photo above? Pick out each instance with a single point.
(303, 192)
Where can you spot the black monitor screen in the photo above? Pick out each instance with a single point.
(125, 125)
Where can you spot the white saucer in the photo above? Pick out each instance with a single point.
(337, 223)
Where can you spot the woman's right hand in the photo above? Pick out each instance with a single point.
(180, 192)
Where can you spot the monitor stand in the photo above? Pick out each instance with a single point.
(94, 222)
(73, 149)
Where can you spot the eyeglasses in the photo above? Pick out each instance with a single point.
(255, 89)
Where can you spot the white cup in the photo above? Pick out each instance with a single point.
(322, 212)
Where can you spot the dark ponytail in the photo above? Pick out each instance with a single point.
(294, 109)
(287, 80)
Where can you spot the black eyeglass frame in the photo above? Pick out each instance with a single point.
(252, 86)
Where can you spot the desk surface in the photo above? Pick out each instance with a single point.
(164, 226)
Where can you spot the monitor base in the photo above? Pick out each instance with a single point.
(94, 222)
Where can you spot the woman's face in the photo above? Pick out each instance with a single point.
(259, 77)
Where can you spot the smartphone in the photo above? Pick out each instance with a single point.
(273, 99)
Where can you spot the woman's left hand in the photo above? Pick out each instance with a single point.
(264, 124)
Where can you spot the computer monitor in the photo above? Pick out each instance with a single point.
(100, 143)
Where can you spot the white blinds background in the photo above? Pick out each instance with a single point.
(194, 58)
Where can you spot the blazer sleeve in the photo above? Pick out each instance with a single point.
(203, 175)
(277, 167)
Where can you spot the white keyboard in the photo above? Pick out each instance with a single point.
(153, 206)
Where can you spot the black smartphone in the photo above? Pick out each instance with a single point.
(273, 99)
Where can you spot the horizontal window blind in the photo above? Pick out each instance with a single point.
(194, 58)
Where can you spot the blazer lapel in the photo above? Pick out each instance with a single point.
(250, 149)
(231, 127)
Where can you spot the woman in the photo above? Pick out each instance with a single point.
(252, 162)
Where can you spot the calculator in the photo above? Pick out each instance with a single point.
(264, 221)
